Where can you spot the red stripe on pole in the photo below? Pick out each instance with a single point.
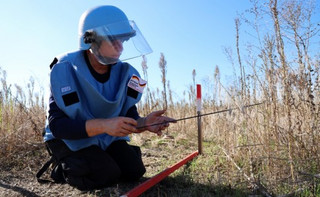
(198, 98)
(198, 91)
(157, 178)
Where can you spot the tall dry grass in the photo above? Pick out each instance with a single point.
(22, 113)
(273, 147)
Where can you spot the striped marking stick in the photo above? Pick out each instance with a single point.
(199, 119)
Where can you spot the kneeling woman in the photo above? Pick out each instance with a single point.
(92, 107)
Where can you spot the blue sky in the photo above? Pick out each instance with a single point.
(191, 34)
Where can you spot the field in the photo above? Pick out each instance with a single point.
(270, 149)
(235, 162)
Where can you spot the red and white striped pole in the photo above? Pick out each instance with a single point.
(199, 119)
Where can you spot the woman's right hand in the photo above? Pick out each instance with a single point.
(118, 126)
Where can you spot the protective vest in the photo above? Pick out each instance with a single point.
(81, 97)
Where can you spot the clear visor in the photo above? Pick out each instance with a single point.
(118, 41)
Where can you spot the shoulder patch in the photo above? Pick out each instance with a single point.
(53, 62)
(70, 98)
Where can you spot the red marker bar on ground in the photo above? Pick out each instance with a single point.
(157, 178)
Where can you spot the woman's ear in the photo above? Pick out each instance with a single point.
(89, 37)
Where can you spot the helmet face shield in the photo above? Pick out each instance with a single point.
(117, 41)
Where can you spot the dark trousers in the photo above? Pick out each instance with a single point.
(93, 168)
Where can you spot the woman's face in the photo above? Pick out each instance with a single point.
(111, 49)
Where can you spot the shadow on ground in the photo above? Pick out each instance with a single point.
(18, 190)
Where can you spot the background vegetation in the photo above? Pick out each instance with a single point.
(269, 149)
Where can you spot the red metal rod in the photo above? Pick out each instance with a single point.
(157, 178)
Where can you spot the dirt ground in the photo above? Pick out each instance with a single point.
(198, 178)
(24, 183)
(18, 179)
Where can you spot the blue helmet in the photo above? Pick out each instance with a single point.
(105, 21)
(109, 23)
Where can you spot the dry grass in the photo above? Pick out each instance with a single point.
(269, 149)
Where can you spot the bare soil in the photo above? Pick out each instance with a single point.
(20, 180)
(17, 177)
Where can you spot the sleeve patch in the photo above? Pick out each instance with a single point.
(132, 93)
(70, 98)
